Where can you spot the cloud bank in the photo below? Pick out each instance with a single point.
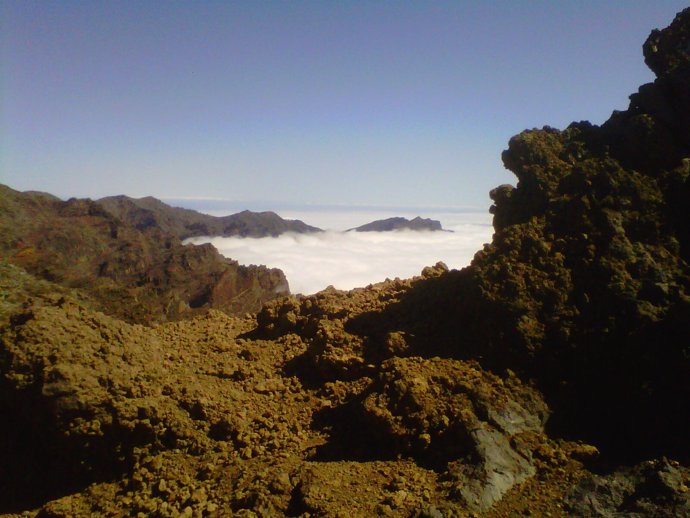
(347, 260)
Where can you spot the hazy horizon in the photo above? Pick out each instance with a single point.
(405, 103)
(331, 217)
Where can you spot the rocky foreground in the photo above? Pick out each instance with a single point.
(549, 378)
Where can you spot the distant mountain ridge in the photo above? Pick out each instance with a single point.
(398, 223)
(150, 213)
(134, 268)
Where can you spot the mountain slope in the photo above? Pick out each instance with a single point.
(148, 213)
(135, 275)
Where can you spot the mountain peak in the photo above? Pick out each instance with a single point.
(399, 223)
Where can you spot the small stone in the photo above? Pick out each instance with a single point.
(199, 496)
(398, 498)
(247, 453)
(281, 484)
(156, 464)
(430, 512)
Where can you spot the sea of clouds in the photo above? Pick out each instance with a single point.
(347, 260)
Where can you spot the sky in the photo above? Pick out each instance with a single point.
(376, 103)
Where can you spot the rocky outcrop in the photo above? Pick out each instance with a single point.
(452, 416)
(589, 263)
(143, 277)
(652, 488)
(148, 213)
(110, 418)
(88, 398)
(390, 224)
(448, 415)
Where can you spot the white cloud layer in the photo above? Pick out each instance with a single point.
(347, 260)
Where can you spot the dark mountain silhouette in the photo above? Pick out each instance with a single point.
(147, 213)
(138, 275)
(390, 224)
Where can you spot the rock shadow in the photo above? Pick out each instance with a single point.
(350, 437)
(38, 464)
(627, 392)
(443, 316)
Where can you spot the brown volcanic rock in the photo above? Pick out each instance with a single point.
(117, 418)
(91, 398)
(590, 256)
(141, 277)
(457, 418)
(667, 50)
(448, 415)
(586, 285)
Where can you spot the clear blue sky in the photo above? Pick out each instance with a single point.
(375, 103)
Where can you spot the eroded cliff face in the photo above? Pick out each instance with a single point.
(142, 277)
(551, 377)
